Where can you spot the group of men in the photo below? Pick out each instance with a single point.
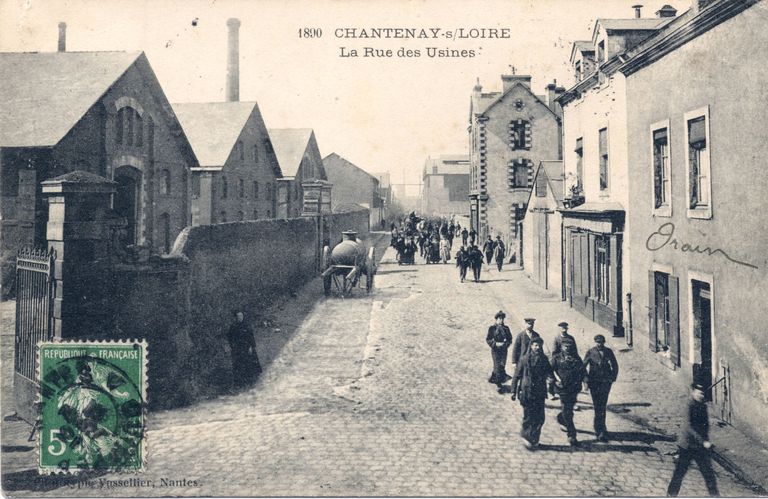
(494, 251)
(560, 375)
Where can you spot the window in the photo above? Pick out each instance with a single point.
(601, 51)
(165, 182)
(224, 188)
(521, 175)
(119, 125)
(130, 114)
(579, 161)
(129, 127)
(698, 162)
(602, 269)
(269, 190)
(662, 186)
(520, 134)
(255, 153)
(239, 150)
(138, 130)
(603, 154)
(577, 68)
(240, 188)
(255, 189)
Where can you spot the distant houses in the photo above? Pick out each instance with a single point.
(445, 185)
(352, 184)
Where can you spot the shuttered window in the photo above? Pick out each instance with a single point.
(661, 169)
(603, 156)
(520, 136)
(698, 163)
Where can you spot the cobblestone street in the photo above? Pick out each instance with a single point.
(387, 394)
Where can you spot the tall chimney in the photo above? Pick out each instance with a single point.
(508, 81)
(637, 10)
(62, 37)
(233, 61)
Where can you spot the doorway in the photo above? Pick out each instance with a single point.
(701, 295)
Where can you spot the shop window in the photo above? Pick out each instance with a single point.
(602, 269)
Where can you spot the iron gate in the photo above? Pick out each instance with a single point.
(35, 291)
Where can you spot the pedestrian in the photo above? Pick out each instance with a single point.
(463, 262)
(476, 259)
(464, 235)
(499, 252)
(245, 361)
(472, 237)
(602, 371)
(523, 340)
(529, 384)
(499, 338)
(488, 251)
(694, 445)
(568, 372)
(563, 337)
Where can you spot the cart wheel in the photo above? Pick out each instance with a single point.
(327, 284)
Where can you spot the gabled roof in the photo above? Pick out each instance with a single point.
(481, 102)
(336, 157)
(634, 24)
(553, 170)
(213, 128)
(581, 46)
(500, 96)
(43, 95)
(289, 145)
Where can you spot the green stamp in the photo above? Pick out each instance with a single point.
(93, 401)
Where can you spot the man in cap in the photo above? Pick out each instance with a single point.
(523, 340)
(694, 444)
(530, 385)
(563, 337)
(568, 372)
(488, 251)
(499, 338)
(499, 252)
(602, 371)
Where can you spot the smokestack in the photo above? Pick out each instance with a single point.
(637, 10)
(62, 37)
(233, 61)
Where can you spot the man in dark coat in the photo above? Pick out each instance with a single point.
(464, 235)
(694, 444)
(499, 252)
(245, 361)
(488, 251)
(476, 257)
(499, 338)
(523, 340)
(530, 385)
(568, 374)
(602, 371)
(563, 337)
(463, 262)
(472, 237)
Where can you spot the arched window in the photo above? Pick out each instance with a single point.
(165, 232)
(255, 189)
(129, 127)
(222, 217)
(255, 153)
(119, 125)
(224, 187)
(240, 216)
(165, 183)
(240, 188)
(138, 130)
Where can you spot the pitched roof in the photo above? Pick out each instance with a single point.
(454, 164)
(498, 96)
(556, 177)
(632, 24)
(212, 128)
(289, 145)
(483, 101)
(345, 161)
(43, 95)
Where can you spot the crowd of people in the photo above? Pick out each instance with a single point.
(433, 239)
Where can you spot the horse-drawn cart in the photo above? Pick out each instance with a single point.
(346, 263)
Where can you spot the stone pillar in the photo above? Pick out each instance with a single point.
(80, 230)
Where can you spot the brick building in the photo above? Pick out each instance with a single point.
(445, 186)
(353, 185)
(300, 161)
(509, 133)
(596, 171)
(100, 112)
(237, 176)
(698, 277)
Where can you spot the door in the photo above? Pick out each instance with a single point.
(126, 200)
(702, 332)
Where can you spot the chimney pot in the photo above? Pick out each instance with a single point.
(62, 37)
(637, 10)
(233, 60)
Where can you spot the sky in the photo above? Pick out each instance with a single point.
(381, 113)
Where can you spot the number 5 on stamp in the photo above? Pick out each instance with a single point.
(93, 401)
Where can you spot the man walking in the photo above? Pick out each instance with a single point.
(463, 262)
(488, 251)
(568, 374)
(602, 371)
(563, 337)
(476, 257)
(464, 235)
(694, 444)
(523, 340)
(472, 237)
(499, 252)
(530, 385)
(499, 338)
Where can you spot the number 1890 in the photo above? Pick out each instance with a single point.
(310, 32)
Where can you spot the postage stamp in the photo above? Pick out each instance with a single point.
(93, 406)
